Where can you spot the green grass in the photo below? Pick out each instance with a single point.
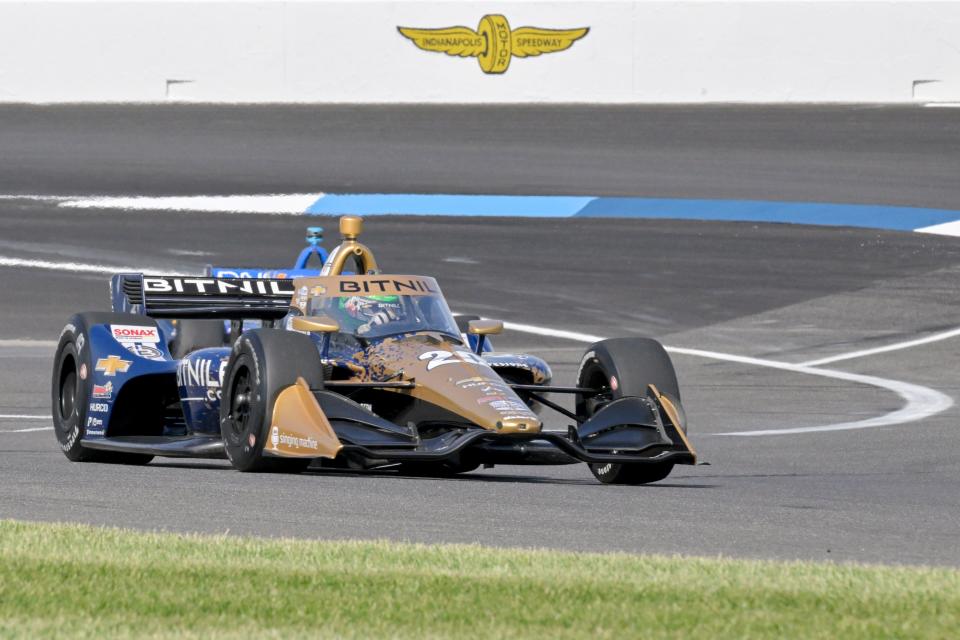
(71, 580)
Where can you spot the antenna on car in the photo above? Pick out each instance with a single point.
(314, 236)
(350, 228)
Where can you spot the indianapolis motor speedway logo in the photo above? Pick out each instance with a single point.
(493, 43)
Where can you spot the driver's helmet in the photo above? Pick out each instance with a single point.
(371, 311)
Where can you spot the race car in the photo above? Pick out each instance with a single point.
(351, 368)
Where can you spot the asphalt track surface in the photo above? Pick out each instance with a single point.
(778, 292)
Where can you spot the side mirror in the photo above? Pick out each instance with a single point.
(321, 324)
(485, 327)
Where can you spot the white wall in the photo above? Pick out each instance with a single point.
(714, 51)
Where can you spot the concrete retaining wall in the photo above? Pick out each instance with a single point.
(634, 52)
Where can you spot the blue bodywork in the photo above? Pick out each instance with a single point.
(115, 366)
(313, 252)
(199, 380)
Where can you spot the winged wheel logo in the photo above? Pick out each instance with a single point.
(494, 44)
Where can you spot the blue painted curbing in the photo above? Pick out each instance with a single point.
(852, 215)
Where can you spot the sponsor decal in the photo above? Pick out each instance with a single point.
(132, 333)
(94, 422)
(299, 443)
(494, 43)
(144, 350)
(410, 287)
(68, 328)
(204, 372)
(112, 364)
(96, 432)
(138, 340)
(71, 439)
(103, 390)
(508, 405)
(99, 407)
(440, 358)
(83, 371)
(245, 273)
(485, 385)
(587, 357)
(301, 297)
(194, 286)
(80, 342)
(278, 438)
(318, 290)
(486, 399)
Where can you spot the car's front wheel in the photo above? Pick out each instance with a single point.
(626, 367)
(264, 362)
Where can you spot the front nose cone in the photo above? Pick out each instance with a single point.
(519, 425)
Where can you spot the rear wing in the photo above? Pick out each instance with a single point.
(198, 297)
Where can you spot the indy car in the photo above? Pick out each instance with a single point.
(354, 369)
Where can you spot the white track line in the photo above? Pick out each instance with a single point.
(943, 229)
(19, 416)
(295, 203)
(920, 402)
(936, 337)
(28, 430)
(81, 267)
(28, 342)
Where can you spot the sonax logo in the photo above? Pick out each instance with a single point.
(133, 333)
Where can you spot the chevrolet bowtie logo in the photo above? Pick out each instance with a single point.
(111, 364)
(493, 43)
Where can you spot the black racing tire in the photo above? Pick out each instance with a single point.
(197, 334)
(263, 363)
(71, 384)
(625, 367)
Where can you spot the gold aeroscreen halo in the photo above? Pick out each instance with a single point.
(350, 228)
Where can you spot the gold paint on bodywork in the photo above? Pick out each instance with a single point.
(452, 377)
(350, 228)
(674, 416)
(485, 327)
(369, 285)
(320, 324)
(299, 428)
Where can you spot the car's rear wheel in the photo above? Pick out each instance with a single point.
(625, 367)
(264, 362)
(73, 372)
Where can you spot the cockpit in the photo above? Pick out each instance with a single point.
(378, 306)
